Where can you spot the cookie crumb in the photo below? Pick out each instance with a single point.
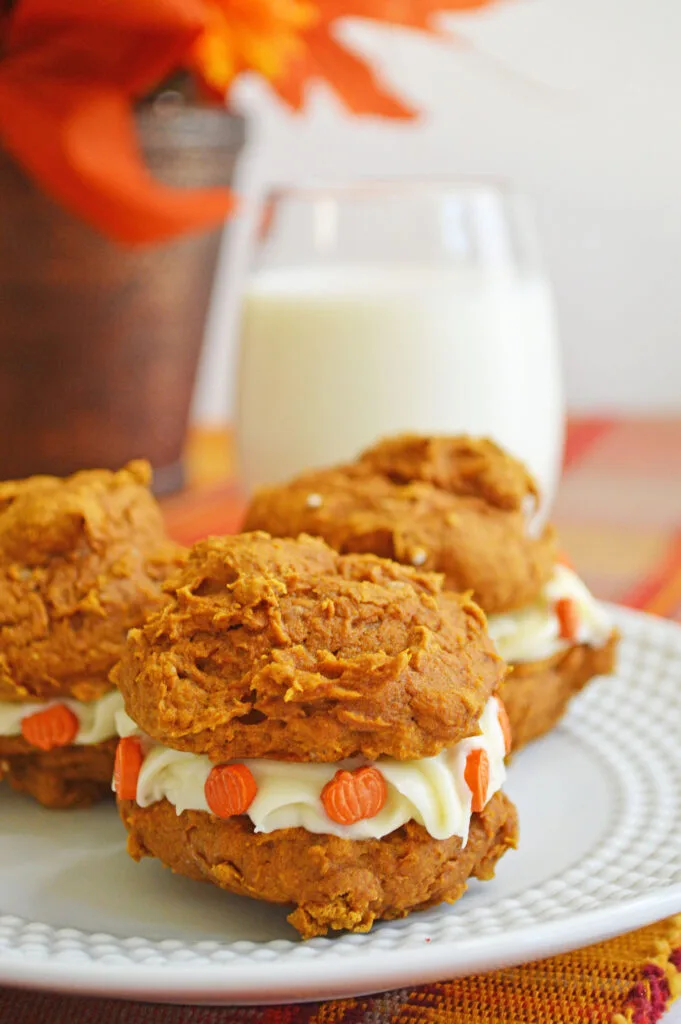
(419, 556)
(314, 501)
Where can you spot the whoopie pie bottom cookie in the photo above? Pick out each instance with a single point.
(536, 694)
(334, 883)
(61, 778)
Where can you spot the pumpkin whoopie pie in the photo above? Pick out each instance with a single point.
(315, 729)
(82, 560)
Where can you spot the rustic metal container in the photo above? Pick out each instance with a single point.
(99, 345)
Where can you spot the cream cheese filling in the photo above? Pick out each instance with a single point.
(533, 633)
(431, 791)
(96, 718)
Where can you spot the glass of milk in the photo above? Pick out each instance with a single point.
(380, 308)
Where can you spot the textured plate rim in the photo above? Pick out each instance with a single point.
(259, 982)
(343, 978)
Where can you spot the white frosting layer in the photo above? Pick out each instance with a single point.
(533, 633)
(97, 718)
(431, 791)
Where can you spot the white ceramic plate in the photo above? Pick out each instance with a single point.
(600, 811)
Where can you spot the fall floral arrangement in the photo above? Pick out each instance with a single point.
(72, 71)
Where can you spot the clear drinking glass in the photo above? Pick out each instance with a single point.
(403, 306)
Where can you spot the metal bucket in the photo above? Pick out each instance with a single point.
(99, 345)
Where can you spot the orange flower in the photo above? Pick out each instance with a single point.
(248, 35)
(71, 72)
(324, 58)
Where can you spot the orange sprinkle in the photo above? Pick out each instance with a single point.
(127, 767)
(476, 774)
(230, 790)
(353, 796)
(56, 726)
(568, 617)
(505, 724)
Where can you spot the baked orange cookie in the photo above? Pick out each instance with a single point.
(465, 508)
(81, 561)
(315, 729)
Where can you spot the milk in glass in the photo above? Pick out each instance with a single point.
(332, 359)
(377, 309)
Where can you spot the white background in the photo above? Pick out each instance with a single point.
(576, 103)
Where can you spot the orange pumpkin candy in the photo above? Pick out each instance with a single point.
(352, 796)
(230, 790)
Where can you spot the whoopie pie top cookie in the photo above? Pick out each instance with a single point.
(455, 505)
(285, 649)
(81, 560)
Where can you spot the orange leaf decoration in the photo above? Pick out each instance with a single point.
(356, 85)
(230, 789)
(568, 618)
(476, 774)
(353, 796)
(505, 723)
(414, 14)
(56, 726)
(69, 75)
(326, 59)
(127, 766)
